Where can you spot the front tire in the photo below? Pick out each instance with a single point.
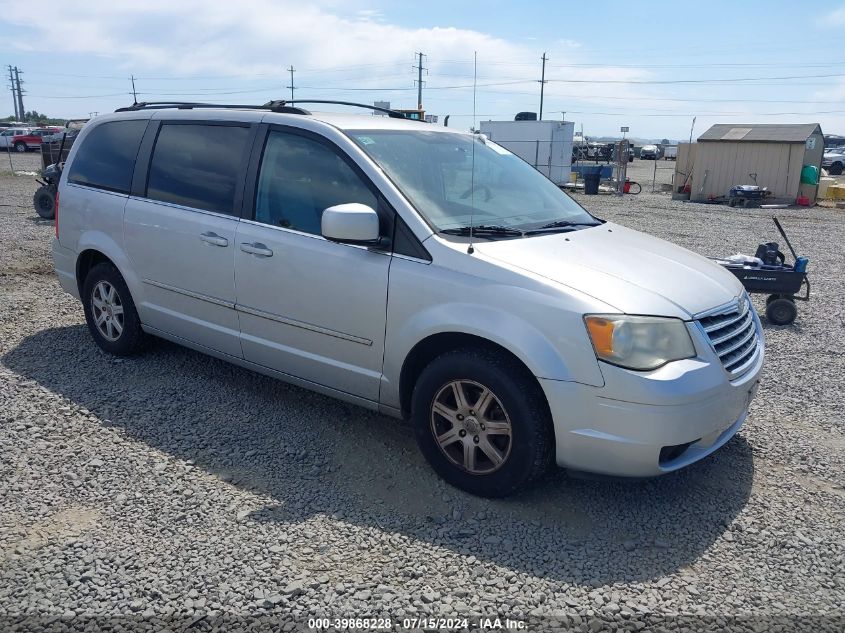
(20, 147)
(482, 422)
(110, 311)
(836, 169)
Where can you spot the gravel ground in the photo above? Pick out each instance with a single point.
(173, 490)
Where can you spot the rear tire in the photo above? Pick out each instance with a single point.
(44, 201)
(781, 311)
(495, 450)
(20, 147)
(110, 311)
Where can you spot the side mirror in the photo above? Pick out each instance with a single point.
(352, 223)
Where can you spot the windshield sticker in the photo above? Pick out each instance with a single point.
(366, 140)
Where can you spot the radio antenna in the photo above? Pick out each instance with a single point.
(471, 250)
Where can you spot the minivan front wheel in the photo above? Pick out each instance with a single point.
(110, 311)
(482, 422)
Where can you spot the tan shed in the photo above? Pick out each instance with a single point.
(727, 155)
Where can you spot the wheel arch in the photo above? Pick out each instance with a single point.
(86, 260)
(437, 344)
(96, 247)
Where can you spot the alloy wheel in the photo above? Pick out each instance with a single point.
(107, 309)
(471, 427)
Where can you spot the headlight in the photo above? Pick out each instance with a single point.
(638, 342)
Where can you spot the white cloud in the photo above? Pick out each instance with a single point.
(259, 39)
(370, 15)
(833, 19)
(247, 37)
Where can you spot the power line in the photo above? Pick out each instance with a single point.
(114, 94)
(693, 81)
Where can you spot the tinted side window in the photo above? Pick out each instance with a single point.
(299, 178)
(197, 165)
(106, 159)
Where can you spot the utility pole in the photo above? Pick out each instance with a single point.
(22, 112)
(542, 85)
(420, 70)
(14, 93)
(134, 94)
(291, 70)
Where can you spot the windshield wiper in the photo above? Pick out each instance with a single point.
(560, 225)
(484, 230)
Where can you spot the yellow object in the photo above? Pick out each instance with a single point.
(573, 177)
(836, 191)
(824, 184)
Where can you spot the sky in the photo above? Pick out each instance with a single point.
(651, 66)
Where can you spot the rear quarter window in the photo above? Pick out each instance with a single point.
(106, 159)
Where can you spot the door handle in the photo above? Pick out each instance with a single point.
(213, 238)
(256, 248)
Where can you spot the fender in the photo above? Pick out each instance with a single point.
(99, 241)
(561, 359)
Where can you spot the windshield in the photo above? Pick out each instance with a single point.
(435, 171)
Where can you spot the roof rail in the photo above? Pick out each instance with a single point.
(278, 105)
(273, 106)
(393, 114)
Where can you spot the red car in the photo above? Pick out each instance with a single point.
(33, 139)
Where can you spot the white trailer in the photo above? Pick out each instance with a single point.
(547, 145)
(670, 152)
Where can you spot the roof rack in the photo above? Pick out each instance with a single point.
(273, 106)
(393, 114)
(278, 105)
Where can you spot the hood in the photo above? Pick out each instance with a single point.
(634, 272)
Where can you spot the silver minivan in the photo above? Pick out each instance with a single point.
(423, 272)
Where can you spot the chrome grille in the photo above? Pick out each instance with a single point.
(733, 335)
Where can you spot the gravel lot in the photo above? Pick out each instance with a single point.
(174, 490)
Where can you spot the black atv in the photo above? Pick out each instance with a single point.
(53, 154)
(44, 199)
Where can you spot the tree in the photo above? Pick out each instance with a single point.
(35, 117)
(38, 118)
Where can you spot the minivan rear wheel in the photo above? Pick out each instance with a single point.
(110, 311)
(482, 422)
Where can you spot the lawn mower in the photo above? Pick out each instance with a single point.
(768, 273)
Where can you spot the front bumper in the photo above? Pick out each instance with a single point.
(646, 424)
